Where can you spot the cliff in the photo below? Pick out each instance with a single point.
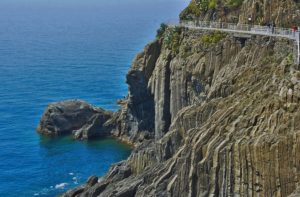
(210, 113)
(283, 13)
(221, 114)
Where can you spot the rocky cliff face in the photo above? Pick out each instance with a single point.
(282, 13)
(135, 121)
(211, 115)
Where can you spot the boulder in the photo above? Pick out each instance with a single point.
(73, 116)
(95, 127)
(92, 180)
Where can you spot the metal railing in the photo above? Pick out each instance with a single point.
(239, 28)
(246, 29)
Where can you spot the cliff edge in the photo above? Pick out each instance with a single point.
(210, 113)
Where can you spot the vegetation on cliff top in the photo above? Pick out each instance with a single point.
(197, 7)
(171, 37)
(282, 13)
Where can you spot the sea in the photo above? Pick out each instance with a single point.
(53, 50)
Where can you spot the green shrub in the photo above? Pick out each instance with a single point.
(172, 39)
(290, 57)
(234, 3)
(197, 7)
(161, 30)
(194, 8)
(212, 4)
(213, 38)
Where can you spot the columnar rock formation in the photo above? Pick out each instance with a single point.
(226, 120)
(211, 114)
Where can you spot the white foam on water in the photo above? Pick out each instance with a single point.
(61, 186)
(45, 191)
(75, 180)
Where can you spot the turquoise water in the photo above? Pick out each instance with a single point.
(64, 49)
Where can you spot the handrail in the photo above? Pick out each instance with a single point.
(240, 28)
(245, 28)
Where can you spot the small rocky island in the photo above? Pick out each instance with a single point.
(209, 113)
(74, 117)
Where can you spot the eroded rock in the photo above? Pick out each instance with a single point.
(92, 181)
(234, 123)
(74, 116)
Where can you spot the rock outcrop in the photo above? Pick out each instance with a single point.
(282, 13)
(210, 113)
(225, 122)
(74, 117)
(136, 119)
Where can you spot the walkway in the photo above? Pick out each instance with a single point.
(246, 29)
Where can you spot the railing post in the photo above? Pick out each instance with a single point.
(298, 46)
